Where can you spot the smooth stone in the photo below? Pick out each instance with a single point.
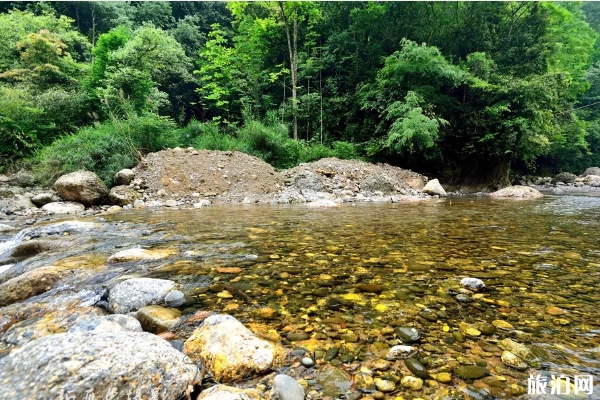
(137, 254)
(471, 372)
(157, 319)
(307, 362)
(286, 388)
(411, 382)
(443, 377)
(401, 352)
(416, 368)
(298, 336)
(486, 328)
(175, 298)
(521, 351)
(334, 381)
(114, 322)
(370, 288)
(513, 361)
(408, 334)
(517, 192)
(124, 176)
(29, 284)
(364, 381)
(331, 353)
(383, 385)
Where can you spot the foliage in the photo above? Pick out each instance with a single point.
(106, 147)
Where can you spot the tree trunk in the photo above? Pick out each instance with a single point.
(500, 174)
(292, 39)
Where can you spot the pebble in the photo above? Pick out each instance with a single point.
(471, 372)
(286, 388)
(416, 368)
(473, 284)
(513, 361)
(443, 377)
(401, 352)
(383, 385)
(408, 334)
(308, 362)
(412, 382)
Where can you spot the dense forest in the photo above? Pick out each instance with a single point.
(465, 90)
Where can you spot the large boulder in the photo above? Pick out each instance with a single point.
(124, 176)
(133, 294)
(564, 177)
(433, 188)
(230, 350)
(77, 364)
(591, 171)
(81, 186)
(123, 195)
(22, 179)
(517, 192)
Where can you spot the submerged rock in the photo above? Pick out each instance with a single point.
(286, 388)
(521, 351)
(133, 294)
(157, 319)
(513, 361)
(137, 254)
(29, 284)
(230, 350)
(222, 392)
(401, 352)
(471, 372)
(412, 383)
(473, 284)
(77, 363)
(334, 381)
(517, 192)
(114, 323)
(81, 186)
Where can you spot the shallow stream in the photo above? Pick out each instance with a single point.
(348, 277)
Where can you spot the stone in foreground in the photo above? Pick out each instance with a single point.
(81, 186)
(133, 294)
(517, 192)
(286, 388)
(433, 188)
(230, 350)
(76, 363)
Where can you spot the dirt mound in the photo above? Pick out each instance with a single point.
(349, 177)
(222, 176)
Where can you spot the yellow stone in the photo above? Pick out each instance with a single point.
(503, 303)
(224, 295)
(355, 297)
(555, 311)
(381, 307)
(500, 324)
(472, 332)
(561, 321)
(446, 328)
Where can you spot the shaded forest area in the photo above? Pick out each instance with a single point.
(464, 90)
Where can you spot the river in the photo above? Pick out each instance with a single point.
(349, 277)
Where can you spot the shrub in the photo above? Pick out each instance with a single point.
(105, 148)
(211, 139)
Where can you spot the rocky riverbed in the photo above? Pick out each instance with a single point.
(431, 300)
